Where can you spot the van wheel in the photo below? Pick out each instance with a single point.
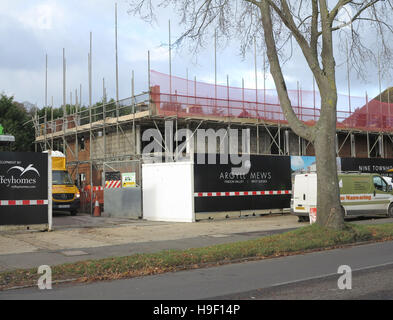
(302, 219)
(390, 211)
(73, 212)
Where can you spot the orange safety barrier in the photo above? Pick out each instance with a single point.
(189, 98)
(88, 197)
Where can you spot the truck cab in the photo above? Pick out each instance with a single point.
(65, 194)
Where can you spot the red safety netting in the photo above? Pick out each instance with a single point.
(194, 98)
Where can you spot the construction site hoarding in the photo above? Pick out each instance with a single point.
(267, 185)
(23, 188)
(168, 191)
(381, 166)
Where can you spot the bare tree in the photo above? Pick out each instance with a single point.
(315, 25)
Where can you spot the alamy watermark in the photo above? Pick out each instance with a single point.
(45, 281)
(345, 281)
(222, 142)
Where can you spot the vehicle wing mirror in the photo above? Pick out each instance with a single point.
(389, 188)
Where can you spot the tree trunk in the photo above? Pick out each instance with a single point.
(323, 134)
(329, 212)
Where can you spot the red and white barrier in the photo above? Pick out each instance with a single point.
(242, 193)
(313, 215)
(113, 184)
(23, 202)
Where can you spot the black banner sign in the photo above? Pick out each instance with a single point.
(23, 176)
(267, 173)
(112, 176)
(368, 165)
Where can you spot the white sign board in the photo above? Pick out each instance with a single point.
(128, 179)
(168, 191)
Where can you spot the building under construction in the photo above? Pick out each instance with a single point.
(113, 131)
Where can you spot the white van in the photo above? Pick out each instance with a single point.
(360, 194)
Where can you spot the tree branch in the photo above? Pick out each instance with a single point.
(314, 29)
(298, 126)
(356, 16)
(334, 12)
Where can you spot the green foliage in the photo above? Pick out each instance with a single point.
(58, 112)
(13, 116)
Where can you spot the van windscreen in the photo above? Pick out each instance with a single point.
(61, 177)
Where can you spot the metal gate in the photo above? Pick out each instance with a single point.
(122, 188)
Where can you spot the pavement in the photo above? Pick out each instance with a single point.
(245, 280)
(84, 237)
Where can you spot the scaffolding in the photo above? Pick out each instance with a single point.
(190, 98)
(113, 128)
(98, 118)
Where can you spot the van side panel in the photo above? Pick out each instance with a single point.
(359, 196)
(355, 193)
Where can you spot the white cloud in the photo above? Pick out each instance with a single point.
(42, 16)
(249, 78)
(297, 162)
(157, 54)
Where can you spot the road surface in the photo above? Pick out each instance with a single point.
(286, 277)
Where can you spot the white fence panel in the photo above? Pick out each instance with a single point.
(168, 191)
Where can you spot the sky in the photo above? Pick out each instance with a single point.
(301, 162)
(30, 29)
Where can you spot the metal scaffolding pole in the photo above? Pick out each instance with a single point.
(188, 107)
(195, 89)
(314, 97)
(215, 68)
(64, 101)
(117, 58)
(389, 124)
(133, 108)
(170, 61)
(264, 84)
(53, 125)
(46, 80)
(45, 126)
(256, 77)
(46, 96)
(90, 129)
(349, 82)
(76, 136)
(117, 84)
(148, 71)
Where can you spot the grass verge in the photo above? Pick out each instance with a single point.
(298, 241)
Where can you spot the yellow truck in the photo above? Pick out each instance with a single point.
(65, 194)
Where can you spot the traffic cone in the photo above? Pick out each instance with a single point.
(97, 209)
